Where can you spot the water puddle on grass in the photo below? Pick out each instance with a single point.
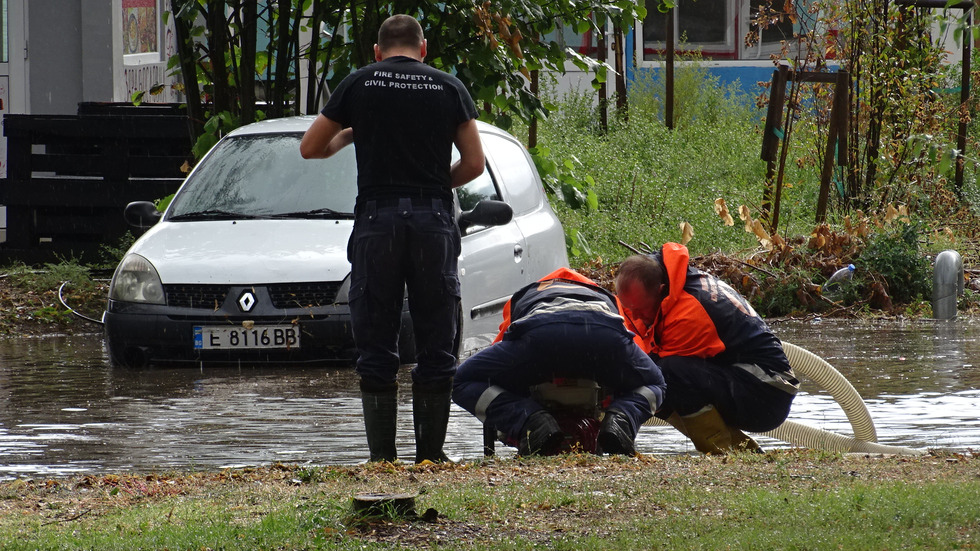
(64, 411)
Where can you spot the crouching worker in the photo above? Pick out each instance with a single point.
(564, 326)
(725, 370)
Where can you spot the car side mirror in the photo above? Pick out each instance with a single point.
(141, 214)
(486, 213)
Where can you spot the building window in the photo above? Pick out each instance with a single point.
(717, 28)
(141, 31)
(705, 25)
(584, 44)
(767, 38)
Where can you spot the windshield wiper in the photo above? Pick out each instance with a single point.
(212, 214)
(315, 213)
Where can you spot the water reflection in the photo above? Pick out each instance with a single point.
(63, 411)
(919, 378)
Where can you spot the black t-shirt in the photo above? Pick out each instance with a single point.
(404, 115)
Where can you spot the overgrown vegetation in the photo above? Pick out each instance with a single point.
(654, 185)
(893, 255)
(33, 299)
(649, 179)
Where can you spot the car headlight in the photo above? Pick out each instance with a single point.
(136, 280)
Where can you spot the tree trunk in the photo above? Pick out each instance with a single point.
(188, 69)
(246, 68)
(217, 46)
(312, 92)
(280, 82)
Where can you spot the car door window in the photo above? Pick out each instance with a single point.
(515, 173)
(477, 190)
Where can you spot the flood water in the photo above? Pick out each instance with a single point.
(64, 411)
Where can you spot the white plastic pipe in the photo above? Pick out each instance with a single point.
(808, 364)
(947, 284)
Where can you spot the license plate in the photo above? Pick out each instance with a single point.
(241, 338)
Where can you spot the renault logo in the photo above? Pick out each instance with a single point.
(246, 301)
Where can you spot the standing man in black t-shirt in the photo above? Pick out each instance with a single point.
(403, 118)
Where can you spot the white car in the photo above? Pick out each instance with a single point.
(249, 261)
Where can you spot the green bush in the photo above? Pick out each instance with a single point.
(893, 255)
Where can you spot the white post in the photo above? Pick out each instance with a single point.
(947, 284)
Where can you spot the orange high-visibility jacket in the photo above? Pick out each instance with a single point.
(703, 317)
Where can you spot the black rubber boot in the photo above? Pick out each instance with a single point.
(616, 434)
(541, 435)
(380, 415)
(430, 410)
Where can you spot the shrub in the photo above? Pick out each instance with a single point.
(893, 255)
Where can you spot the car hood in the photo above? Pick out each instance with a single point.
(247, 251)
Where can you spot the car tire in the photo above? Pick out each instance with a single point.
(125, 358)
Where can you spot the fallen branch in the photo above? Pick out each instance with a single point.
(746, 264)
(76, 517)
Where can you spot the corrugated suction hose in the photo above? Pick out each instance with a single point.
(815, 368)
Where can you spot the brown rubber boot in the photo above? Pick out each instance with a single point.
(677, 422)
(708, 431)
(743, 442)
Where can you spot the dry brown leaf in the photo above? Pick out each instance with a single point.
(789, 11)
(762, 235)
(820, 241)
(778, 241)
(687, 233)
(721, 209)
(891, 213)
(743, 213)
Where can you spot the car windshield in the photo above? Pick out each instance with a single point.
(259, 176)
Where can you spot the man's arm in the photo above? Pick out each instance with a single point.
(471, 161)
(324, 138)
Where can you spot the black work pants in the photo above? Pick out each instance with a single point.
(495, 383)
(395, 244)
(744, 401)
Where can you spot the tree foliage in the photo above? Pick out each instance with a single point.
(236, 55)
(904, 107)
(232, 53)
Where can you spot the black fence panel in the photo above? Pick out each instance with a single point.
(70, 176)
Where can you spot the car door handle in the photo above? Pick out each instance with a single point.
(518, 252)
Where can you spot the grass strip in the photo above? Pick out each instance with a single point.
(785, 499)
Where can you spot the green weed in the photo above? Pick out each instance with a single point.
(648, 179)
(893, 254)
(36, 294)
(111, 254)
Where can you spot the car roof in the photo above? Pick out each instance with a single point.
(301, 123)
